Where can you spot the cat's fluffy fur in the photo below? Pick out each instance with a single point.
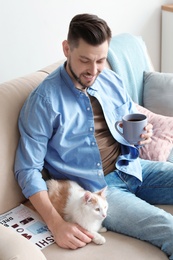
(76, 205)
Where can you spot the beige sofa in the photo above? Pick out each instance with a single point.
(117, 246)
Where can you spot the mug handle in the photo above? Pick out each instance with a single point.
(117, 127)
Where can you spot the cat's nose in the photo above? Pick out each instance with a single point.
(104, 215)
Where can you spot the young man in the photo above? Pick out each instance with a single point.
(67, 126)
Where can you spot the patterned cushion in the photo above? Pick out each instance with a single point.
(160, 148)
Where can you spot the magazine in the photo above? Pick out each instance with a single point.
(28, 223)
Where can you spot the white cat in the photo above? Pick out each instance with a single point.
(76, 205)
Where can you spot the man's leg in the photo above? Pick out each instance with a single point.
(157, 186)
(14, 246)
(130, 215)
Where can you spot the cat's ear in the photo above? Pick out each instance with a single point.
(102, 192)
(87, 196)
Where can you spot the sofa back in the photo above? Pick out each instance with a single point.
(12, 96)
(128, 57)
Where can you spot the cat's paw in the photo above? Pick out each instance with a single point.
(99, 240)
(102, 229)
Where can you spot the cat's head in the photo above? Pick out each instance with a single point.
(96, 203)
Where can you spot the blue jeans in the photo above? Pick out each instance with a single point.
(131, 209)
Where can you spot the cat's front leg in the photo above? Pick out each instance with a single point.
(102, 229)
(98, 239)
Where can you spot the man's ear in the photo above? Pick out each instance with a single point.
(66, 48)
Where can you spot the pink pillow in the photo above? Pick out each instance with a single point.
(162, 140)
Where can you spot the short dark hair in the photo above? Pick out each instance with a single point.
(90, 28)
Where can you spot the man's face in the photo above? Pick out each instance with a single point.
(85, 62)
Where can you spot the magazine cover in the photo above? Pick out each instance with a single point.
(28, 224)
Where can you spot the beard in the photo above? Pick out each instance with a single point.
(78, 78)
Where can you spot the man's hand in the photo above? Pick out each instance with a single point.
(147, 136)
(69, 235)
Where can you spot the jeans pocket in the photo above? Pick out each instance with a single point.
(132, 183)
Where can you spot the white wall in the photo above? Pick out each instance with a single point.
(32, 30)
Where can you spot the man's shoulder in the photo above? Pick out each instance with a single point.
(109, 76)
(107, 72)
(53, 76)
(51, 82)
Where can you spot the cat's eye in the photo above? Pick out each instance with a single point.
(97, 209)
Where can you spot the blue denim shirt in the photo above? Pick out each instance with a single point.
(57, 131)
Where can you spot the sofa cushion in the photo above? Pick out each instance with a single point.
(15, 246)
(117, 246)
(158, 92)
(160, 149)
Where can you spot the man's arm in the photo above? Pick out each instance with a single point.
(66, 235)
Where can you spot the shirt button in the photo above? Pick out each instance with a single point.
(88, 108)
(91, 129)
(93, 143)
(99, 173)
(98, 164)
